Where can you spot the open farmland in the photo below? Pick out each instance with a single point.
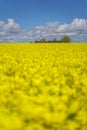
(43, 86)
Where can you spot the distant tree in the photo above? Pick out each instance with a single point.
(36, 41)
(65, 39)
(54, 40)
(43, 40)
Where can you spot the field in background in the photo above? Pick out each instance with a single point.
(43, 86)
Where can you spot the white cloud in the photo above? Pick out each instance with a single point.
(1, 23)
(79, 23)
(12, 31)
(11, 27)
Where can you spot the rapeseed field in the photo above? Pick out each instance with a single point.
(43, 86)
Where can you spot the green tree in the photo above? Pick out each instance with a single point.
(43, 40)
(54, 40)
(66, 39)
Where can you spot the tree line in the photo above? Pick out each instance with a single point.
(64, 39)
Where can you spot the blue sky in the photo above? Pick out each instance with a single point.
(29, 17)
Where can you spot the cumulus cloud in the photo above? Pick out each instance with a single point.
(11, 27)
(12, 32)
(9, 30)
(77, 30)
(1, 23)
